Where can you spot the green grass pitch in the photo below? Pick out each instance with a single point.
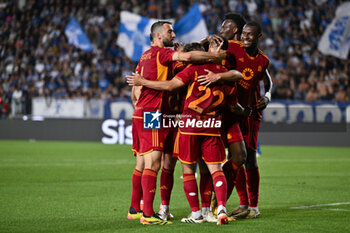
(86, 187)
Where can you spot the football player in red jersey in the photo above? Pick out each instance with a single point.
(154, 64)
(246, 57)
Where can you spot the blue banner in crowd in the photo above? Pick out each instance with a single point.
(300, 111)
(77, 37)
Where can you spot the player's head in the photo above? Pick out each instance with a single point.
(192, 47)
(232, 26)
(251, 34)
(162, 31)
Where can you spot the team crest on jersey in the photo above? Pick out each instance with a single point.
(151, 120)
(241, 59)
(248, 74)
(259, 68)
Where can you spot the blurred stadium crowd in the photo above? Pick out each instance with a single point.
(36, 59)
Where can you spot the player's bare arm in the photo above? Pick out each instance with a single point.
(210, 77)
(168, 85)
(135, 94)
(193, 56)
(265, 100)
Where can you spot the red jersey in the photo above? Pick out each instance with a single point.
(177, 98)
(178, 66)
(202, 104)
(155, 64)
(252, 68)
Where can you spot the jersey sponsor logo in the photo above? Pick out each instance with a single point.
(151, 120)
(248, 73)
(241, 59)
(244, 84)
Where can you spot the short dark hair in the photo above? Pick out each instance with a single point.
(156, 26)
(192, 47)
(238, 19)
(254, 24)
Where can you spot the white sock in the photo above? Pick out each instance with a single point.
(196, 214)
(254, 208)
(220, 208)
(205, 210)
(164, 208)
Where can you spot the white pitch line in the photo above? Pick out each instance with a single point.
(320, 205)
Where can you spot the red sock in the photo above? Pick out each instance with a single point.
(253, 180)
(136, 190)
(191, 191)
(206, 187)
(230, 170)
(149, 182)
(220, 187)
(166, 185)
(241, 186)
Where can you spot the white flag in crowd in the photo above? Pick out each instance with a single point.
(335, 40)
(191, 27)
(134, 31)
(77, 37)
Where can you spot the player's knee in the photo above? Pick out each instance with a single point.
(239, 154)
(169, 162)
(242, 158)
(251, 159)
(156, 166)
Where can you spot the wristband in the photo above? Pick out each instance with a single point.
(268, 96)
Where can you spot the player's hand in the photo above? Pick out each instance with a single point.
(215, 39)
(262, 103)
(220, 54)
(247, 112)
(134, 79)
(178, 46)
(209, 78)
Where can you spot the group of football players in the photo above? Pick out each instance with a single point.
(212, 89)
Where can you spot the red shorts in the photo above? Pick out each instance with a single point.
(146, 140)
(250, 130)
(233, 134)
(190, 148)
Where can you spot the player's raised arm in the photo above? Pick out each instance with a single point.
(210, 77)
(168, 85)
(193, 56)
